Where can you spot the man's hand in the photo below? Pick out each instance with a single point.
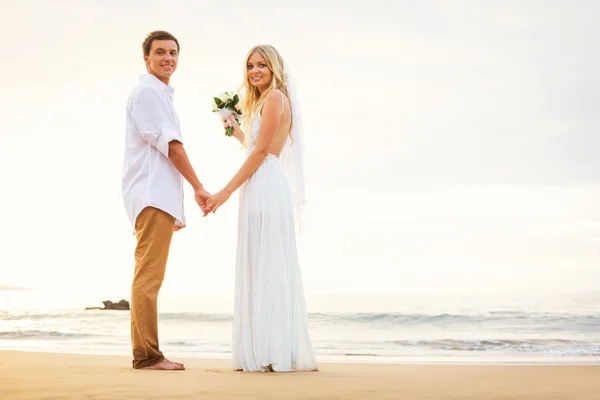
(178, 227)
(201, 196)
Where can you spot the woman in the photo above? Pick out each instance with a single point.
(270, 331)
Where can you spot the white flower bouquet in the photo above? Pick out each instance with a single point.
(226, 105)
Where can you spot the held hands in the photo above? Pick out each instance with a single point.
(215, 201)
(201, 196)
(208, 203)
(212, 203)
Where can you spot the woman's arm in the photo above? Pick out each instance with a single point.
(271, 116)
(238, 133)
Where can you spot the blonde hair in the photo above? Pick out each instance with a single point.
(252, 100)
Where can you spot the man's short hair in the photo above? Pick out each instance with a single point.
(157, 35)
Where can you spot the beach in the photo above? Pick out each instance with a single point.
(371, 329)
(32, 375)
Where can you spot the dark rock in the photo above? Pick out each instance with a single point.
(109, 305)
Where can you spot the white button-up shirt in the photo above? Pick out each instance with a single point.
(149, 177)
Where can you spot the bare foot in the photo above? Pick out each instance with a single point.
(166, 365)
(178, 363)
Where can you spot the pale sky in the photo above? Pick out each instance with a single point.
(451, 145)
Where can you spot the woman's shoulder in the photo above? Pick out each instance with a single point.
(275, 94)
(275, 100)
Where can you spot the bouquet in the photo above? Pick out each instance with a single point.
(226, 105)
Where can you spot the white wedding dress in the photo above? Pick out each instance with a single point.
(270, 330)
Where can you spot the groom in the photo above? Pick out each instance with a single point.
(153, 171)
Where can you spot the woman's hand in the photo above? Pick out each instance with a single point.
(216, 200)
(237, 131)
(230, 121)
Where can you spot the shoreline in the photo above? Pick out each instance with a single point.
(482, 360)
(33, 375)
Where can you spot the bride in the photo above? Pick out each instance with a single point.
(270, 331)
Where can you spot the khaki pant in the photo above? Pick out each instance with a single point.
(153, 230)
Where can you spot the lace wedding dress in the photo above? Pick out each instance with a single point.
(270, 331)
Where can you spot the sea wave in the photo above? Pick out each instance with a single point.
(195, 317)
(357, 346)
(557, 347)
(36, 316)
(37, 334)
(542, 321)
(550, 347)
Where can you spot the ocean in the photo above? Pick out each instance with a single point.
(486, 329)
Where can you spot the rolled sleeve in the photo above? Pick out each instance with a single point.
(152, 117)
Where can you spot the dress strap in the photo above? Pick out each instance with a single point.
(282, 101)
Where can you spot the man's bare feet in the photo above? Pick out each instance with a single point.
(166, 365)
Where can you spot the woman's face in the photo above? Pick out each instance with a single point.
(259, 75)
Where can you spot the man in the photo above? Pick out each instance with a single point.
(154, 167)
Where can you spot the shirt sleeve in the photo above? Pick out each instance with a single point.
(154, 120)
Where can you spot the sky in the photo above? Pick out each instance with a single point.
(451, 146)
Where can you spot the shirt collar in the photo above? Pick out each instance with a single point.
(157, 83)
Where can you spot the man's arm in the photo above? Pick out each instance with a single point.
(153, 121)
(157, 128)
(180, 160)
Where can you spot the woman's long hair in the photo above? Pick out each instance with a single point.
(252, 100)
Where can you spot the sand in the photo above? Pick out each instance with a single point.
(28, 375)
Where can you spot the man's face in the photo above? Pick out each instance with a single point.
(162, 61)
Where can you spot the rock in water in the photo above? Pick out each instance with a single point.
(109, 305)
